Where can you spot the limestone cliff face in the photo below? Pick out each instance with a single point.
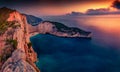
(17, 63)
(61, 30)
(20, 56)
(37, 26)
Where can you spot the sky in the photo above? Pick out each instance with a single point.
(56, 7)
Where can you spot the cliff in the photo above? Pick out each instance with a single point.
(16, 53)
(59, 29)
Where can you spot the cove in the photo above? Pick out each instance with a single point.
(59, 54)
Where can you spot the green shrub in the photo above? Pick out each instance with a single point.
(8, 50)
(29, 44)
(15, 26)
(12, 42)
(0, 58)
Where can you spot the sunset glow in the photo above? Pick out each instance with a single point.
(93, 5)
(57, 8)
(78, 7)
(60, 35)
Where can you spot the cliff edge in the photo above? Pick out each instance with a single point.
(16, 52)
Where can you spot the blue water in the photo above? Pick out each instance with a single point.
(57, 54)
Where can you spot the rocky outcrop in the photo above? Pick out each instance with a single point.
(37, 26)
(16, 53)
(58, 29)
(17, 63)
(61, 30)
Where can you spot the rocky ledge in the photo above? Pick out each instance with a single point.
(17, 63)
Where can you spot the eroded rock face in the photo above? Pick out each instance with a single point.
(17, 63)
(61, 30)
(20, 57)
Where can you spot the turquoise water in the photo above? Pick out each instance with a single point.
(100, 54)
(57, 54)
(105, 28)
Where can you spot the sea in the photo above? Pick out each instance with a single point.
(100, 54)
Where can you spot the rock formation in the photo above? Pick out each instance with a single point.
(58, 29)
(61, 30)
(16, 53)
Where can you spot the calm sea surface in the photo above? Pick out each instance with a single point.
(101, 54)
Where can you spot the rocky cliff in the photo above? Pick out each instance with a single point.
(16, 53)
(59, 29)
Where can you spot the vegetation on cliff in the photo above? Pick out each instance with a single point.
(29, 45)
(12, 42)
(4, 14)
(14, 50)
(63, 28)
(4, 24)
(11, 45)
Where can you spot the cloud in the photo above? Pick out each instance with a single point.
(44, 2)
(75, 13)
(97, 11)
(101, 11)
(105, 11)
(116, 4)
(37, 2)
(28, 3)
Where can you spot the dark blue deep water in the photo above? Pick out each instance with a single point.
(57, 54)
